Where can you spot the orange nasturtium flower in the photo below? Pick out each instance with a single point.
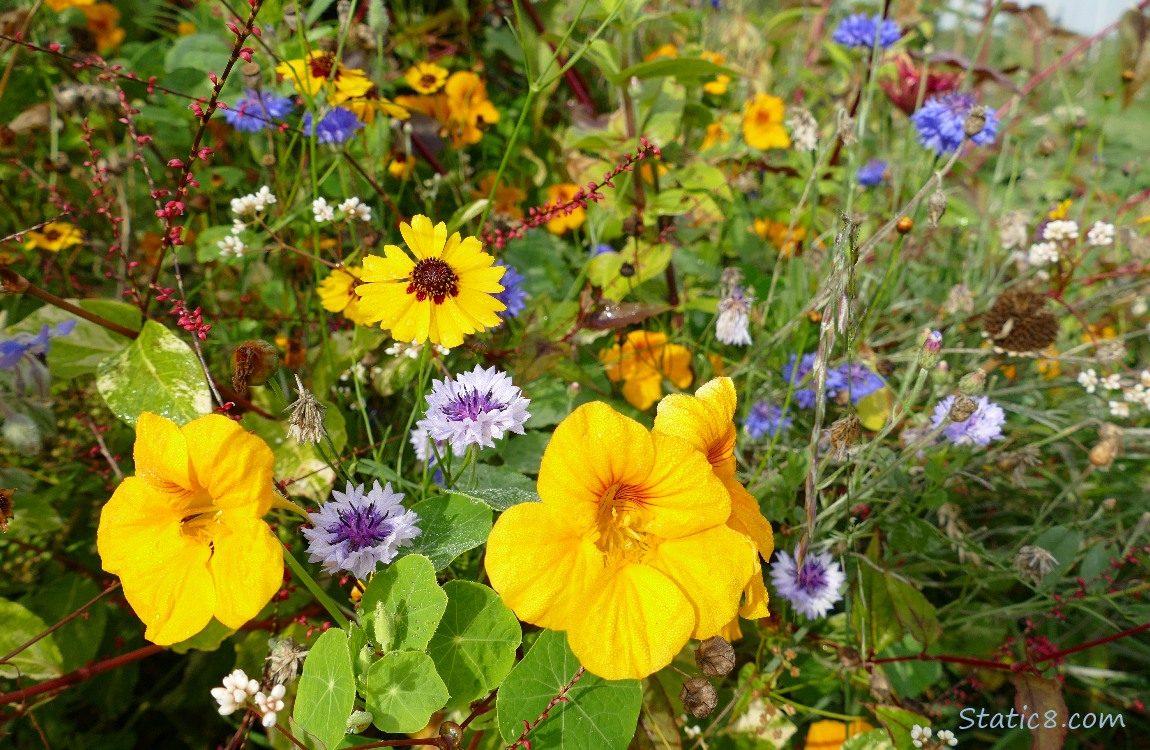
(628, 551)
(562, 223)
(59, 5)
(706, 421)
(507, 197)
(185, 534)
(830, 735)
(104, 25)
(461, 107)
(337, 294)
(642, 362)
(445, 293)
(776, 231)
(763, 123)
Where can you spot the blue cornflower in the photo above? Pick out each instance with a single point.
(474, 408)
(941, 119)
(514, 296)
(984, 425)
(358, 531)
(872, 173)
(26, 346)
(601, 248)
(813, 588)
(337, 126)
(857, 379)
(257, 110)
(766, 419)
(860, 30)
(795, 374)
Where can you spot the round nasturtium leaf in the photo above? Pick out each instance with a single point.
(402, 605)
(474, 647)
(403, 690)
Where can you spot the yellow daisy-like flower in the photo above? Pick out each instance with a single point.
(763, 123)
(54, 236)
(628, 551)
(444, 294)
(365, 107)
(426, 77)
(717, 87)
(185, 534)
(337, 294)
(562, 223)
(706, 421)
(642, 362)
(313, 74)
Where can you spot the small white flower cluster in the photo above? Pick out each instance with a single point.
(412, 350)
(352, 208)
(238, 688)
(1043, 254)
(244, 206)
(1101, 234)
(1133, 393)
(1060, 231)
(947, 736)
(920, 736)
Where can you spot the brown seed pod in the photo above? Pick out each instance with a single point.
(6, 508)
(699, 697)
(253, 363)
(1019, 324)
(715, 657)
(962, 408)
(905, 224)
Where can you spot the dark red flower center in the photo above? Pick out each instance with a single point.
(428, 80)
(51, 235)
(322, 66)
(433, 278)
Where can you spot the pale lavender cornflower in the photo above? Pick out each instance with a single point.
(476, 408)
(984, 425)
(766, 419)
(357, 532)
(731, 327)
(812, 589)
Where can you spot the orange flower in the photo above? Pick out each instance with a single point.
(59, 5)
(763, 123)
(104, 23)
(507, 197)
(830, 735)
(642, 362)
(715, 135)
(717, 87)
(561, 223)
(667, 50)
(776, 231)
(461, 107)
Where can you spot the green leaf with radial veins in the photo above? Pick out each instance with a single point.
(403, 605)
(474, 647)
(159, 373)
(450, 525)
(403, 690)
(326, 694)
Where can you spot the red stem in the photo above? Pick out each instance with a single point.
(80, 675)
(1092, 644)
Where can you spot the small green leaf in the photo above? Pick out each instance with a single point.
(41, 660)
(912, 609)
(500, 487)
(403, 605)
(898, 722)
(326, 694)
(451, 525)
(157, 372)
(598, 714)
(876, 739)
(203, 52)
(474, 647)
(403, 690)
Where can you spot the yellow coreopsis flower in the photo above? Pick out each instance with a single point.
(185, 534)
(562, 223)
(337, 294)
(763, 123)
(446, 292)
(642, 361)
(717, 87)
(54, 236)
(104, 23)
(706, 421)
(628, 551)
(314, 73)
(367, 105)
(426, 77)
(830, 735)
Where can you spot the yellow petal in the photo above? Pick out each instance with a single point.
(644, 390)
(234, 466)
(247, 568)
(594, 448)
(731, 632)
(424, 240)
(413, 321)
(634, 624)
(747, 518)
(527, 545)
(161, 454)
(704, 420)
(826, 734)
(445, 328)
(135, 515)
(755, 596)
(712, 568)
(682, 492)
(394, 266)
(676, 365)
(385, 301)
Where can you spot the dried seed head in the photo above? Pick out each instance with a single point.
(699, 697)
(284, 660)
(633, 225)
(972, 383)
(962, 408)
(715, 657)
(958, 300)
(1110, 351)
(845, 433)
(880, 687)
(935, 208)
(975, 121)
(1103, 454)
(253, 362)
(305, 424)
(849, 658)
(1046, 146)
(1019, 324)
(1034, 563)
(845, 128)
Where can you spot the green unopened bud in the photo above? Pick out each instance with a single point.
(972, 383)
(359, 721)
(928, 354)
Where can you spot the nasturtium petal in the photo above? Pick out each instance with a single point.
(161, 454)
(705, 421)
(643, 390)
(173, 608)
(682, 493)
(712, 568)
(633, 626)
(756, 596)
(234, 466)
(132, 522)
(247, 566)
(747, 518)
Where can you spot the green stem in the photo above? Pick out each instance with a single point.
(320, 595)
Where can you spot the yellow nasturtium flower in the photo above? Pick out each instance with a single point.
(186, 534)
(706, 421)
(763, 123)
(629, 551)
(447, 292)
(830, 735)
(642, 362)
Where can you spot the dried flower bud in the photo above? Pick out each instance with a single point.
(1103, 454)
(845, 128)
(928, 354)
(268, 160)
(699, 697)
(975, 122)
(880, 687)
(305, 424)
(845, 433)
(715, 657)
(1034, 563)
(849, 658)
(253, 363)
(962, 408)
(905, 224)
(251, 75)
(1046, 146)
(935, 208)
(1111, 432)
(633, 225)
(972, 383)
(1109, 503)
(284, 660)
